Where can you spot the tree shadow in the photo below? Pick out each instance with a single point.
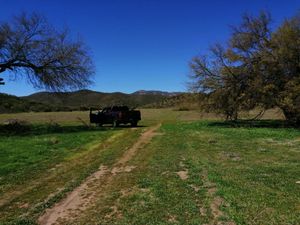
(254, 124)
(42, 129)
(129, 126)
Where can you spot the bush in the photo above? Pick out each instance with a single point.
(14, 126)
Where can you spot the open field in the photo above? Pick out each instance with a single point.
(173, 169)
(149, 116)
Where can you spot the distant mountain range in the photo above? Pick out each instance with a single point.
(80, 100)
(163, 93)
(88, 98)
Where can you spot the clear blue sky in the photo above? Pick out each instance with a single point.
(143, 44)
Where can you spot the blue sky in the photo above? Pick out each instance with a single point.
(142, 44)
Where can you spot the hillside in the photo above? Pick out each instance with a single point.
(180, 101)
(148, 99)
(153, 92)
(84, 99)
(88, 98)
(13, 104)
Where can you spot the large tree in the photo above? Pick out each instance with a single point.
(48, 58)
(258, 67)
(285, 68)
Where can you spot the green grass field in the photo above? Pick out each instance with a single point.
(193, 171)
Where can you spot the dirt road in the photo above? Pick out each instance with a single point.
(82, 196)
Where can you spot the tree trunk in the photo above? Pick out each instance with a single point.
(292, 116)
(235, 115)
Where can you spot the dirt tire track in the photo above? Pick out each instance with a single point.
(215, 203)
(82, 196)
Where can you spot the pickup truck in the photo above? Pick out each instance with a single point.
(115, 115)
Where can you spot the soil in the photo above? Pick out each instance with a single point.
(183, 174)
(82, 196)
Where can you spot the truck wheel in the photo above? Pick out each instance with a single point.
(115, 123)
(134, 123)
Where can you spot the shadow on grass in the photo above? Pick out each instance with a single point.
(42, 129)
(254, 124)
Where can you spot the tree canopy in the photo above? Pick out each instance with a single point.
(258, 67)
(50, 59)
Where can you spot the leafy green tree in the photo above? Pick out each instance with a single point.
(258, 67)
(285, 68)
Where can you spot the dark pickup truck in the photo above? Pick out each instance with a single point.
(115, 115)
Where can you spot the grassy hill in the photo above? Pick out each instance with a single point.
(86, 98)
(12, 104)
(180, 101)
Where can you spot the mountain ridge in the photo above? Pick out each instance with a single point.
(157, 92)
(84, 99)
(89, 98)
(138, 92)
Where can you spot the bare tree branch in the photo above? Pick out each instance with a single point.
(50, 59)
